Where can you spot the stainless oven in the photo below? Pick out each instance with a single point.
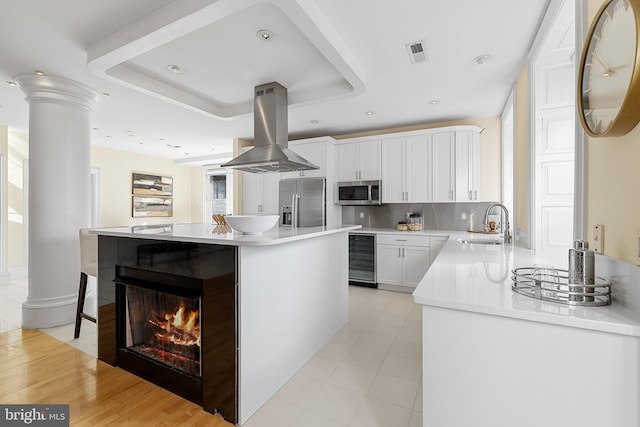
(362, 260)
(358, 193)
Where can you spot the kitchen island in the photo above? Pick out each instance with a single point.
(267, 303)
(494, 358)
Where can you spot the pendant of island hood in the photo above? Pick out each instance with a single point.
(270, 136)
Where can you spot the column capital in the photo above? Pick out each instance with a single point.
(57, 90)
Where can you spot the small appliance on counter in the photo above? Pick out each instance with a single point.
(302, 202)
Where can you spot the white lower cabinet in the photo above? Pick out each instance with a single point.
(402, 261)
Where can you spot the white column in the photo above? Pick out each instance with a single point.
(59, 194)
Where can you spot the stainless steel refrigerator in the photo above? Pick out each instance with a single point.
(303, 202)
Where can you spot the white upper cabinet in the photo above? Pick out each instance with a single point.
(443, 166)
(406, 175)
(358, 160)
(456, 165)
(260, 193)
(467, 166)
(314, 151)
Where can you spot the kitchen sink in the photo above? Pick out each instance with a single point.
(480, 241)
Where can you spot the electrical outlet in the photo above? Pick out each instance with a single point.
(361, 215)
(598, 238)
(463, 216)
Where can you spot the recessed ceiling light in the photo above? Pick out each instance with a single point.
(175, 69)
(106, 94)
(314, 122)
(369, 113)
(434, 102)
(481, 59)
(12, 83)
(96, 129)
(39, 72)
(108, 136)
(265, 35)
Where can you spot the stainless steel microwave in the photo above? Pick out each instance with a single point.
(358, 193)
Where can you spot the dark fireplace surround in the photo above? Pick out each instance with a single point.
(142, 280)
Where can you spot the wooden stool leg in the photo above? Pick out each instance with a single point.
(81, 294)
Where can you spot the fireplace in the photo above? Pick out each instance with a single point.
(163, 328)
(172, 321)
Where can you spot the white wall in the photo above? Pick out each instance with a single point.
(116, 168)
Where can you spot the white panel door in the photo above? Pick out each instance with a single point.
(270, 190)
(389, 264)
(416, 261)
(393, 170)
(464, 147)
(370, 160)
(251, 193)
(418, 168)
(443, 166)
(348, 159)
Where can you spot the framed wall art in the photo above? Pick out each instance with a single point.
(145, 206)
(151, 185)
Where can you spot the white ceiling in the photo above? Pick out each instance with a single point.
(338, 58)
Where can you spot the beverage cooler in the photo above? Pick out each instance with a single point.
(362, 260)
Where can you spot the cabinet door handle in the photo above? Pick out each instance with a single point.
(402, 252)
(470, 195)
(475, 194)
(401, 240)
(399, 252)
(450, 194)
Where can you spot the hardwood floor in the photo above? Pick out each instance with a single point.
(38, 369)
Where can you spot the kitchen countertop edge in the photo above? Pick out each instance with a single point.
(499, 299)
(204, 233)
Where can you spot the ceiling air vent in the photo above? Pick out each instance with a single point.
(416, 52)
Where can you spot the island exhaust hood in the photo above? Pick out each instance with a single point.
(271, 152)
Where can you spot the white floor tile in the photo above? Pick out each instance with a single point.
(319, 368)
(336, 403)
(336, 349)
(311, 419)
(366, 358)
(353, 377)
(378, 413)
(273, 413)
(299, 390)
(394, 390)
(376, 342)
(408, 349)
(401, 367)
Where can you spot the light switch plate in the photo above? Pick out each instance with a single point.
(598, 238)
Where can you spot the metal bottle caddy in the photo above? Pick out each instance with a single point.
(553, 285)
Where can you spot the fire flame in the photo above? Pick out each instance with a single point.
(181, 327)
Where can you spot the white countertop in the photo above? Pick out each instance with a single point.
(212, 234)
(477, 278)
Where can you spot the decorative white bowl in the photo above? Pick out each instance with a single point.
(252, 224)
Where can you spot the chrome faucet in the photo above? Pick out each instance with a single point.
(506, 232)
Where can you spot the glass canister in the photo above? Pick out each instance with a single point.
(414, 222)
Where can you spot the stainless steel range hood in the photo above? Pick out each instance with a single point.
(271, 152)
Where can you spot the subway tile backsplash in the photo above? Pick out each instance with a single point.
(436, 216)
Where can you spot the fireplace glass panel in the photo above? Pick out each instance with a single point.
(165, 328)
